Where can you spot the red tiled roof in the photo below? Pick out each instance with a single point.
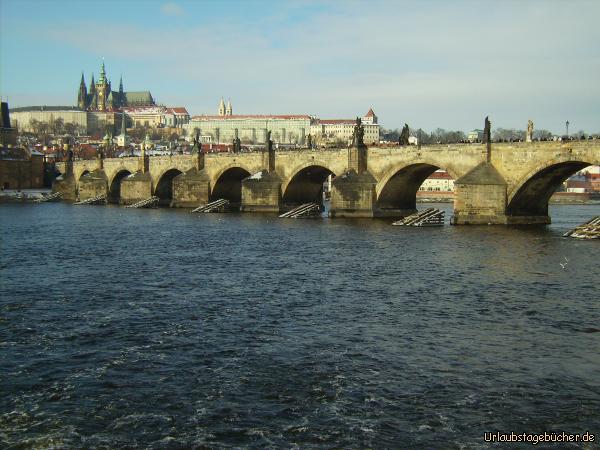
(177, 110)
(370, 113)
(578, 184)
(336, 121)
(440, 175)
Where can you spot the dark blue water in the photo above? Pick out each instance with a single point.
(163, 329)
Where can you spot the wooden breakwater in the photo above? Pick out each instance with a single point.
(587, 230)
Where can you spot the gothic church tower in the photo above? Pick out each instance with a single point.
(82, 95)
(102, 89)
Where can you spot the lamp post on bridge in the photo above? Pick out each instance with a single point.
(567, 126)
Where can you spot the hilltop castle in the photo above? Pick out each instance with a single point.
(101, 97)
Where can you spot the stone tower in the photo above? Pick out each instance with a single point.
(222, 107)
(229, 109)
(82, 95)
(102, 89)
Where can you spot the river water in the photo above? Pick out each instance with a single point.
(164, 329)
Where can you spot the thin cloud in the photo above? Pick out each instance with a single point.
(172, 9)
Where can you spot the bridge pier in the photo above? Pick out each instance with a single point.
(191, 189)
(261, 192)
(66, 183)
(135, 188)
(93, 184)
(354, 193)
(480, 197)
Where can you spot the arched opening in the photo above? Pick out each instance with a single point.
(164, 187)
(399, 194)
(531, 199)
(229, 186)
(306, 186)
(83, 174)
(114, 190)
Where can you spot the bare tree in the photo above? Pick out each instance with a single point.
(58, 126)
(542, 134)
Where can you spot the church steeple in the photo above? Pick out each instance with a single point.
(229, 109)
(103, 88)
(121, 93)
(222, 107)
(102, 79)
(82, 94)
(92, 86)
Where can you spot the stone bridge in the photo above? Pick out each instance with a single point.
(510, 184)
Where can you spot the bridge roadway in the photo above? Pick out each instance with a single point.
(513, 187)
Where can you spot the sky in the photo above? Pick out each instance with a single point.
(427, 63)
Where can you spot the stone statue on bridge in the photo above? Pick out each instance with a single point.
(403, 139)
(487, 131)
(197, 147)
(309, 141)
(529, 137)
(359, 133)
(237, 144)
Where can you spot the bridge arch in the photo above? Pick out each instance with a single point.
(531, 194)
(305, 185)
(114, 185)
(397, 189)
(80, 170)
(228, 184)
(164, 186)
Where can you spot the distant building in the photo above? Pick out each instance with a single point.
(20, 168)
(285, 128)
(251, 128)
(122, 140)
(176, 117)
(475, 136)
(24, 118)
(439, 180)
(8, 133)
(97, 109)
(101, 97)
(324, 130)
(157, 116)
(584, 181)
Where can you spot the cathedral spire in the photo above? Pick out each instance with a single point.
(121, 93)
(229, 109)
(102, 78)
(222, 107)
(82, 94)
